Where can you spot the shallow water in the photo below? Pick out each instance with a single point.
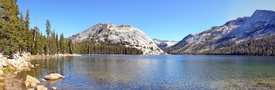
(157, 72)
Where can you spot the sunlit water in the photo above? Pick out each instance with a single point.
(157, 72)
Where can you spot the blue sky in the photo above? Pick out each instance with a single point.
(162, 19)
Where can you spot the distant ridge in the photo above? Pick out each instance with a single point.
(260, 25)
(164, 43)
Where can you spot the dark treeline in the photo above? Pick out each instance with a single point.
(92, 47)
(258, 47)
(17, 36)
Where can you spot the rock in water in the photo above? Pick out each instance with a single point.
(41, 87)
(126, 35)
(43, 80)
(53, 76)
(54, 88)
(31, 81)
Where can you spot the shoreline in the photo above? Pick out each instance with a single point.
(9, 69)
(31, 57)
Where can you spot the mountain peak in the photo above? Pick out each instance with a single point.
(109, 25)
(124, 34)
(262, 15)
(263, 12)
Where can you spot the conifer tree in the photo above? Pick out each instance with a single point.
(48, 28)
(10, 27)
(70, 44)
(27, 19)
(53, 43)
(62, 44)
(57, 44)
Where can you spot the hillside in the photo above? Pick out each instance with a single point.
(260, 25)
(126, 35)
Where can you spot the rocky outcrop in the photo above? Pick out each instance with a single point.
(125, 34)
(17, 61)
(53, 76)
(259, 25)
(9, 68)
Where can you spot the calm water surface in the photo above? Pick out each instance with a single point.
(157, 72)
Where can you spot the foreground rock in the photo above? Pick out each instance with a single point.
(31, 81)
(13, 84)
(10, 66)
(54, 76)
(54, 88)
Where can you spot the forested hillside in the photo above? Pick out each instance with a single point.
(259, 47)
(244, 36)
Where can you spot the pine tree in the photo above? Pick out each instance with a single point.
(49, 37)
(62, 43)
(23, 34)
(57, 43)
(40, 43)
(27, 19)
(35, 46)
(48, 28)
(70, 44)
(10, 27)
(53, 47)
(29, 35)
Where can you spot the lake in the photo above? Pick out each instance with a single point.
(157, 72)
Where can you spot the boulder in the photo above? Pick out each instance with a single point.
(54, 88)
(43, 80)
(41, 87)
(31, 81)
(53, 76)
(1, 72)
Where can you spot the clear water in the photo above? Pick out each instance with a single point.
(157, 72)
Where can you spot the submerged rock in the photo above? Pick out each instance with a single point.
(31, 81)
(53, 76)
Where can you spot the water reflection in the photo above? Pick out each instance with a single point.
(156, 72)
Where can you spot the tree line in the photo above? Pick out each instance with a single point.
(258, 47)
(17, 36)
(106, 47)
